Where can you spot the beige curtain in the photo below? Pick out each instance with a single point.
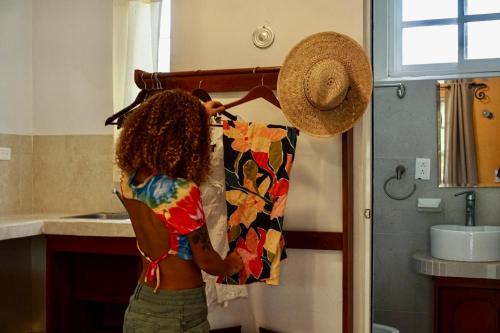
(460, 150)
(136, 32)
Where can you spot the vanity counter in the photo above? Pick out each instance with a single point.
(17, 226)
(423, 263)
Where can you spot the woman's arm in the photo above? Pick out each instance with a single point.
(207, 259)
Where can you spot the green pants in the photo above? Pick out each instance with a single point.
(166, 311)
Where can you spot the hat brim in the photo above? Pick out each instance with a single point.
(294, 103)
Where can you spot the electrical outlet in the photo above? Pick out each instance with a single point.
(4, 154)
(423, 168)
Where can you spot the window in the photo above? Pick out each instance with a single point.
(444, 37)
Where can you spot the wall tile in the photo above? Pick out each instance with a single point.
(57, 174)
(396, 285)
(16, 175)
(73, 174)
(20, 144)
(406, 127)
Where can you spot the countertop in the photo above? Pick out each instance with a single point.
(17, 226)
(423, 263)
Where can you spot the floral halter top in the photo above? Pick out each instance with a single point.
(177, 203)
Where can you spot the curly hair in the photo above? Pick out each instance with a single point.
(168, 133)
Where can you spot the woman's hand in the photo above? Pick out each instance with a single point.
(213, 107)
(207, 259)
(233, 263)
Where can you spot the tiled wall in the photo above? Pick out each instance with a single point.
(57, 174)
(405, 129)
(73, 174)
(16, 181)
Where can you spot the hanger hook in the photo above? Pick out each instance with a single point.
(157, 81)
(144, 81)
(199, 84)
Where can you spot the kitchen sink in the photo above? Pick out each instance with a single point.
(102, 216)
(465, 243)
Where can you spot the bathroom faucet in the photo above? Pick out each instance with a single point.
(470, 207)
(118, 194)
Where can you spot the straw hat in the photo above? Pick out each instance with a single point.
(325, 84)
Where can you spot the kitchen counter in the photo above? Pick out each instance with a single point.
(17, 226)
(423, 263)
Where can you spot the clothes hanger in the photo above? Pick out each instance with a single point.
(203, 95)
(258, 92)
(141, 97)
(254, 93)
(138, 100)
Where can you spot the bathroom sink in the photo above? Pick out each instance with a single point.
(102, 216)
(463, 243)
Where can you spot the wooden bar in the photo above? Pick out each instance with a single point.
(223, 80)
(313, 240)
(347, 224)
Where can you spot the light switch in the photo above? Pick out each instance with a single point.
(4, 154)
(423, 168)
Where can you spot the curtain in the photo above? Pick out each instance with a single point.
(136, 32)
(460, 150)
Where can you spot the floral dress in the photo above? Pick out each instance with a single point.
(258, 160)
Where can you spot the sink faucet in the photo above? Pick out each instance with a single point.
(470, 207)
(118, 194)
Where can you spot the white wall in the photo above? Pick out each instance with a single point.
(218, 34)
(55, 66)
(72, 66)
(16, 86)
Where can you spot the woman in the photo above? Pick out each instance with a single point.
(164, 155)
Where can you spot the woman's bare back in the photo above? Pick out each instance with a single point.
(153, 239)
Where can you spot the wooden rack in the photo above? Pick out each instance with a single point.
(211, 80)
(226, 80)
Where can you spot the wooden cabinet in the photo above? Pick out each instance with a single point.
(89, 282)
(466, 305)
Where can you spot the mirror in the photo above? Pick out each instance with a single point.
(468, 116)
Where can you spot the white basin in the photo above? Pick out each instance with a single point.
(462, 243)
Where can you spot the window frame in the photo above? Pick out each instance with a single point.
(397, 69)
